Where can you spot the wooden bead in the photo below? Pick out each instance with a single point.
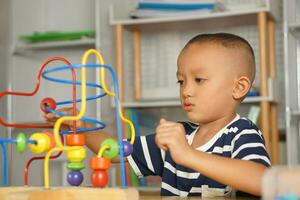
(42, 143)
(75, 139)
(77, 155)
(76, 166)
(99, 163)
(21, 142)
(99, 178)
(51, 103)
(113, 148)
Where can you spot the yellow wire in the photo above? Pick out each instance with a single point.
(103, 84)
(58, 123)
(102, 149)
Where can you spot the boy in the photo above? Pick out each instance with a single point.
(219, 152)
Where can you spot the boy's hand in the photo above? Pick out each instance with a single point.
(51, 118)
(171, 136)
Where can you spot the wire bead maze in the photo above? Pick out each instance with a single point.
(72, 141)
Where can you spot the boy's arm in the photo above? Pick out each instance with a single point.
(240, 174)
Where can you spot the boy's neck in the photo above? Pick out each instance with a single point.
(218, 124)
(208, 130)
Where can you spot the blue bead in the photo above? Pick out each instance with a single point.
(75, 178)
(127, 148)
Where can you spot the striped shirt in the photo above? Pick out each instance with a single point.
(240, 139)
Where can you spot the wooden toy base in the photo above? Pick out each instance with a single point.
(67, 193)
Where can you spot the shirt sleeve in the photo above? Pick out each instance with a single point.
(249, 145)
(146, 158)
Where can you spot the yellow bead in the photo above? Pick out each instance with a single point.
(77, 155)
(42, 143)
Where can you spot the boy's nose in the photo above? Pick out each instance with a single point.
(187, 90)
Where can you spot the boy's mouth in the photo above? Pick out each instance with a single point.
(187, 107)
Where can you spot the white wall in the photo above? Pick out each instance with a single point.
(4, 62)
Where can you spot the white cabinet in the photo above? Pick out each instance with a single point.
(292, 78)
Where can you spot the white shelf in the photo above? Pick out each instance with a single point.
(188, 17)
(20, 48)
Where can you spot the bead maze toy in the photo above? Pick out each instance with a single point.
(71, 141)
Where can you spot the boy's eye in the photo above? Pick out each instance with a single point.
(199, 80)
(180, 82)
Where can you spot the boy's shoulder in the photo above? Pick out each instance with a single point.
(236, 127)
(242, 126)
(243, 123)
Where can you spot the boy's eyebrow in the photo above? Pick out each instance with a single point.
(178, 73)
(197, 70)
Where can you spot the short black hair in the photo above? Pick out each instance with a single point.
(227, 40)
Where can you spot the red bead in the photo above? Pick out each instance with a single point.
(97, 163)
(51, 103)
(75, 139)
(99, 178)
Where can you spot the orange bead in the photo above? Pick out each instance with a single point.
(75, 139)
(51, 136)
(99, 163)
(99, 178)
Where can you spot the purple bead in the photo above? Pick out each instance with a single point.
(75, 178)
(127, 148)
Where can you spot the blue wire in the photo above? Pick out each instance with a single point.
(4, 164)
(102, 124)
(116, 89)
(15, 141)
(81, 130)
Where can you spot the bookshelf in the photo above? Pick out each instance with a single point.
(21, 48)
(262, 16)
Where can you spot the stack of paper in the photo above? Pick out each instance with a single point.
(161, 8)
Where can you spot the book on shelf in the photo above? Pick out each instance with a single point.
(165, 8)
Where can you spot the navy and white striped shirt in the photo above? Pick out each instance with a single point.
(240, 139)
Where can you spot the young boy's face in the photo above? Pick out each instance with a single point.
(206, 80)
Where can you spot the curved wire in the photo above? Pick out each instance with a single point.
(102, 66)
(58, 123)
(33, 93)
(81, 130)
(57, 80)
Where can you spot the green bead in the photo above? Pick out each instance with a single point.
(75, 166)
(113, 150)
(21, 142)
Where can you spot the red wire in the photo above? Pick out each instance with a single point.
(26, 169)
(35, 91)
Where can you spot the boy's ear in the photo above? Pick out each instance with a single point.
(241, 87)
